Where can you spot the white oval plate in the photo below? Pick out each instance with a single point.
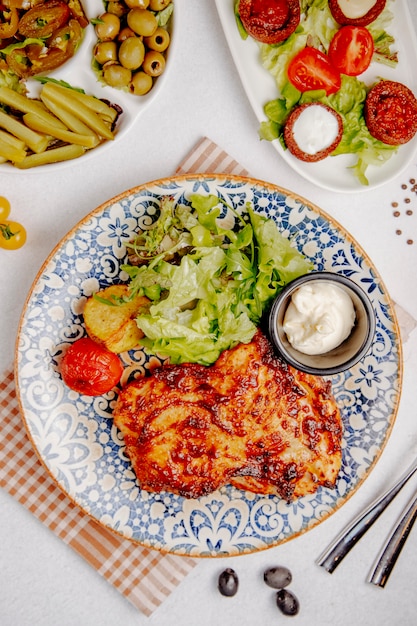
(74, 435)
(332, 173)
(78, 72)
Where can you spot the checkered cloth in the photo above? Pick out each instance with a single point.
(145, 577)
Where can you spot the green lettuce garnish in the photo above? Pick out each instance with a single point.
(209, 278)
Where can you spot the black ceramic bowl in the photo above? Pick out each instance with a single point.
(344, 356)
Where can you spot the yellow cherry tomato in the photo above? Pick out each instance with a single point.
(4, 208)
(12, 235)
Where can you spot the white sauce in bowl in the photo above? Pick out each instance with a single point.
(319, 318)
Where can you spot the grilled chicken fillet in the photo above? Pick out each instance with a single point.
(249, 420)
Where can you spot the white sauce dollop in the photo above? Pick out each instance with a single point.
(356, 8)
(319, 318)
(315, 129)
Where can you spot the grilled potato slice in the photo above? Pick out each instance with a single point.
(114, 326)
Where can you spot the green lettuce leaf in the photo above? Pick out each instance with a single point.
(213, 296)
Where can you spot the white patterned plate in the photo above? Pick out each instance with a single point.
(74, 435)
(332, 173)
(78, 72)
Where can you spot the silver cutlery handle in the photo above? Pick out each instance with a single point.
(350, 535)
(393, 546)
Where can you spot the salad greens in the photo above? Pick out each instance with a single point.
(210, 273)
(317, 28)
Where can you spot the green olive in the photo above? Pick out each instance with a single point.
(125, 33)
(140, 84)
(159, 41)
(137, 4)
(143, 22)
(153, 63)
(158, 5)
(105, 51)
(117, 76)
(132, 53)
(117, 8)
(108, 27)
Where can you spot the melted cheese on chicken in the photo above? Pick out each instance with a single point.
(249, 420)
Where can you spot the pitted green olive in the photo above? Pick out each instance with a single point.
(159, 41)
(153, 63)
(143, 22)
(108, 27)
(132, 53)
(140, 84)
(105, 51)
(116, 75)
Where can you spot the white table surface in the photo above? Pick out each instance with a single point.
(42, 581)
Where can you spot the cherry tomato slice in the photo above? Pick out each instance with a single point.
(311, 69)
(42, 20)
(12, 235)
(89, 368)
(351, 50)
(4, 208)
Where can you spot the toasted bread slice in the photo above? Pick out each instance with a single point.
(114, 326)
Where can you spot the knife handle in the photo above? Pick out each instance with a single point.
(393, 546)
(350, 535)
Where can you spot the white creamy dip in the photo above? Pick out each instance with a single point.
(354, 9)
(319, 318)
(315, 129)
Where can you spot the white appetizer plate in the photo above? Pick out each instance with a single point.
(332, 173)
(74, 435)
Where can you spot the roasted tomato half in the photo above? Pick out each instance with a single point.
(391, 112)
(355, 13)
(351, 50)
(310, 69)
(89, 368)
(269, 21)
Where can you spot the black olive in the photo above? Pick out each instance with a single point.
(287, 602)
(228, 582)
(277, 577)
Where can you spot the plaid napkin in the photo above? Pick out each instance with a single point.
(145, 577)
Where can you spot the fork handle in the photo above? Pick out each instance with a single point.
(393, 546)
(350, 535)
